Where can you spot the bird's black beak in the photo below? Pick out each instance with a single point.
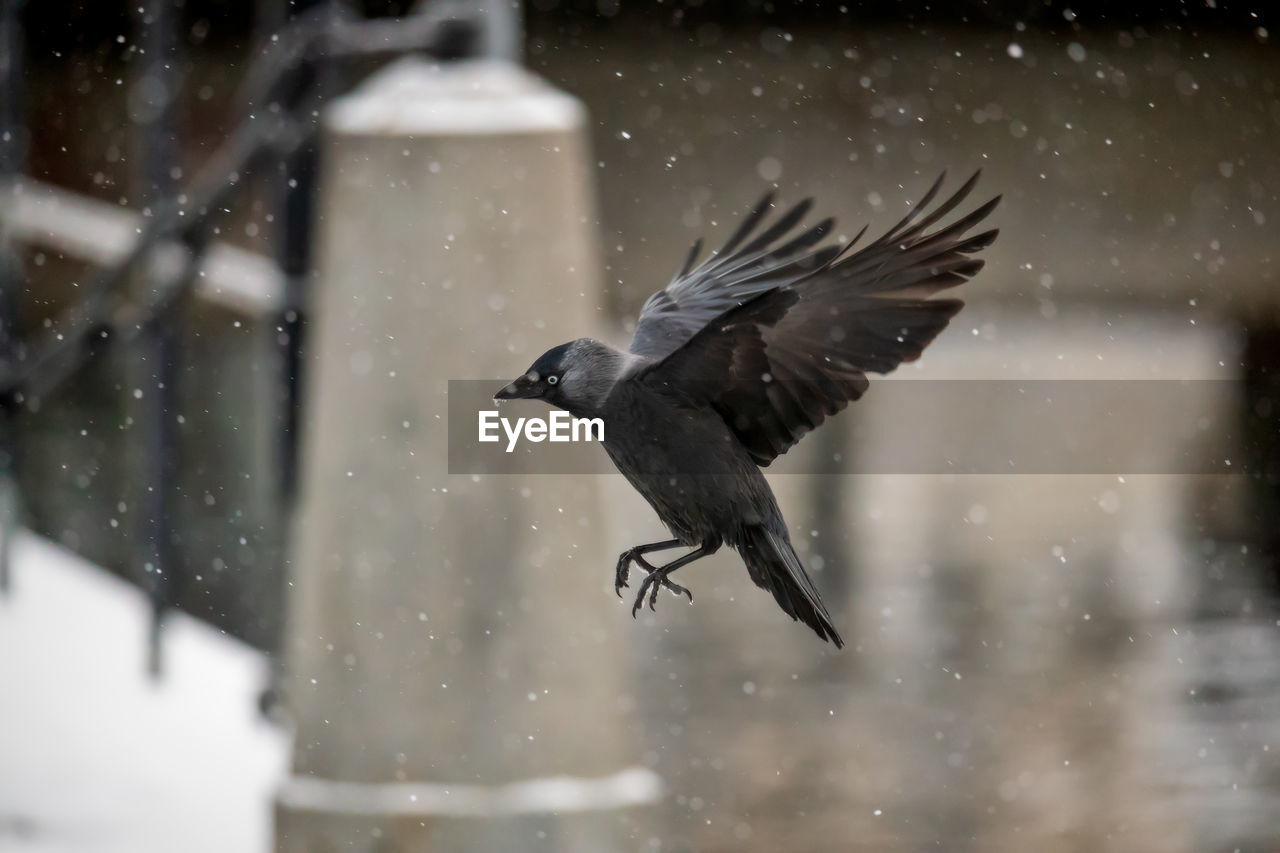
(522, 388)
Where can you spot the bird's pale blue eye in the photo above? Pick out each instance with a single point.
(552, 379)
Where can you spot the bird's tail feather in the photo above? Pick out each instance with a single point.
(774, 566)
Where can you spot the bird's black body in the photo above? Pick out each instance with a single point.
(736, 360)
(697, 476)
(706, 488)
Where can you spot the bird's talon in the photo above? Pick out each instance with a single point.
(623, 572)
(655, 580)
(639, 601)
(679, 590)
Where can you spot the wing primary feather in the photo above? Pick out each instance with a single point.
(880, 254)
(796, 246)
(919, 206)
(694, 251)
(847, 246)
(955, 229)
(960, 268)
(788, 221)
(937, 213)
(806, 240)
(976, 243)
(787, 273)
(748, 225)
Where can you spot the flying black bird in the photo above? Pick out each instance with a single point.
(739, 357)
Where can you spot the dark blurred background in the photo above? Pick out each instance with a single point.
(789, 83)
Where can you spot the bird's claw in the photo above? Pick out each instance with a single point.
(623, 572)
(655, 580)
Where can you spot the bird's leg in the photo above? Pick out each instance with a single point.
(657, 578)
(626, 558)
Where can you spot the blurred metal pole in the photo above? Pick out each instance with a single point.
(153, 97)
(12, 156)
(493, 29)
(503, 36)
(295, 199)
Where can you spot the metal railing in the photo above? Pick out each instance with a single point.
(300, 66)
(12, 350)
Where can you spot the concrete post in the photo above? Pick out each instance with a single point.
(451, 641)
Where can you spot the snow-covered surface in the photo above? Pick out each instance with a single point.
(413, 96)
(96, 756)
(632, 786)
(104, 233)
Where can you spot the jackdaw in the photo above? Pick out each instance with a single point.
(741, 355)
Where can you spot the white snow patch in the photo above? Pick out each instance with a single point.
(96, 756)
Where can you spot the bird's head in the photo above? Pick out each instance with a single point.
(575, 376)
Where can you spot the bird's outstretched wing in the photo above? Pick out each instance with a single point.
(741, 269)
(778, 360)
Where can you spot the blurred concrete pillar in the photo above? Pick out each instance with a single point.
(451, 644)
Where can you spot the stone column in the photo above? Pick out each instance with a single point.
(451, 644)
